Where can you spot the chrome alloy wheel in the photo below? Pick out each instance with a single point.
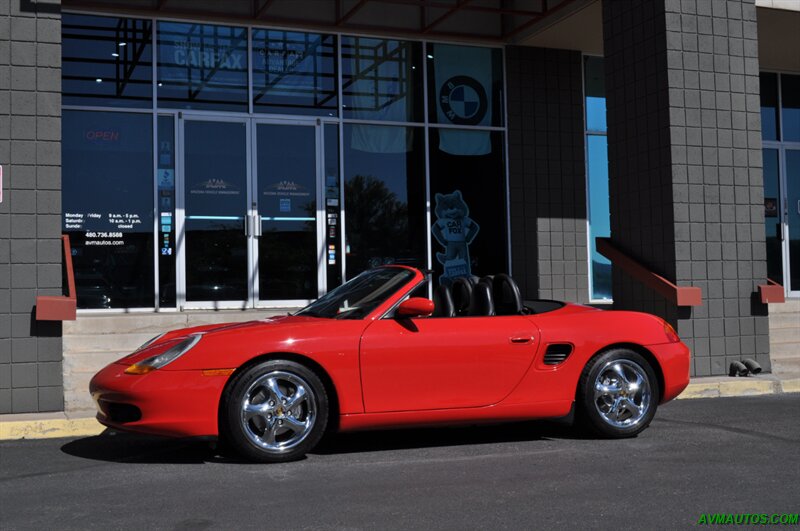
(622, 393)
(278, 411)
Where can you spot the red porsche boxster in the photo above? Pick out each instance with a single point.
(376, 352)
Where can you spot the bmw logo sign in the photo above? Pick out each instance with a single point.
(463, 100)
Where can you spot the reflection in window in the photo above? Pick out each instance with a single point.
(384, 196)
(294, 72)
(465, 85)
(769, 106)
(790, 107)
(202, 66)
(468, 195)
(106, 61)
(107, 194)
(597, 176)
(382, 79)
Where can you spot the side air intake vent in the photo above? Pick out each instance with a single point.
(557, 353)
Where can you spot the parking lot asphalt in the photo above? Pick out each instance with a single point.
(725, 455)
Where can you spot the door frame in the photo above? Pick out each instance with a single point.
(251, 214)
(180, 213)
(786, 211)
(254, 212)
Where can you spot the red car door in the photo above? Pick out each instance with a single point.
(439, 363)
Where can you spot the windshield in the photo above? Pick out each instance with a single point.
(358, 297)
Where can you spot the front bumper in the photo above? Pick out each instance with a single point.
(674, 359)
(162, 402)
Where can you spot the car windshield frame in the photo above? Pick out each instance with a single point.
(357, 298)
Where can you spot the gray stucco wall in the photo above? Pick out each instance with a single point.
(547, 173)
(30, 214)
(685, 169)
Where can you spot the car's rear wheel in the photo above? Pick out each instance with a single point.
(275, 411)
(618, 394)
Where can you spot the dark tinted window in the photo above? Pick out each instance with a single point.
(468, 203)
(769, 106)
(294, 72)
(106, 61)
(107, 195)
(790, 107)
(382, 79)
(202, 66)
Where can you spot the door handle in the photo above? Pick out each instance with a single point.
(247, 222)
(256, 225)
(520, 340)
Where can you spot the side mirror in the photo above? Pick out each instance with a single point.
(414, 307)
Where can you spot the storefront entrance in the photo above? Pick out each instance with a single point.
(248, 225)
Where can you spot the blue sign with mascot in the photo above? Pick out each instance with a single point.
(455, 231)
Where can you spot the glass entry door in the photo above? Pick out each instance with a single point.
(249, 228)
(289, 263)
(213, 247)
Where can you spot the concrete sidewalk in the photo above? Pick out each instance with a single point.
(58, 424)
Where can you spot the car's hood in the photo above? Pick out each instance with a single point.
(161, 343)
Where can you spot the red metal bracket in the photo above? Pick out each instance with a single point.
(678, 295)
(771, 292)
(60, 308)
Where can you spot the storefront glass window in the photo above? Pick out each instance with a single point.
(107, 196)
(382, 79)
(384, 194)
(294, 73)
(790, 107)
(165, 179)
(333, 235)
(772, 215)
(202, 66)
(594, 78)
(769, 106)
(465, 85)
(106, 61)
(597, 176)
(468, 203)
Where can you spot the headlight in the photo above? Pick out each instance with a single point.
(149, 342)
(168, 356)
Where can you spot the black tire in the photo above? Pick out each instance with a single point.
(274, 434)
(627, 396)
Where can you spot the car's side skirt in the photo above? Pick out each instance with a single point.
(440, 417)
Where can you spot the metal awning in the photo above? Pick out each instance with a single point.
(498, 21)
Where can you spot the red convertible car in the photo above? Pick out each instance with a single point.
(376, 352)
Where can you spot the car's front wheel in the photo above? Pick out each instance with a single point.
(275, 411)
(618, 394)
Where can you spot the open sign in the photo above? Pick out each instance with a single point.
(102, 135)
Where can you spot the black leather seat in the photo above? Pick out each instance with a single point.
(443, 302)
(462, 295)
(506, 295)
(481, 302)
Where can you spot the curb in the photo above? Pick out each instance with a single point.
(747, 386)
(47, 427)
(57, 425)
